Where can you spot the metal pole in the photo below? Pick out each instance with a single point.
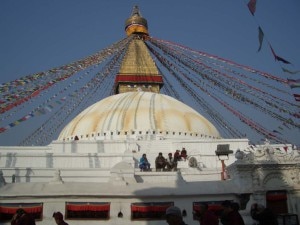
(223, 170)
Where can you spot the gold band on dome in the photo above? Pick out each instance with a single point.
(136, 28)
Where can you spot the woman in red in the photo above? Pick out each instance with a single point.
(183, 153)
(177, 156)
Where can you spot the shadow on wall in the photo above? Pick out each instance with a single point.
(11, 160)
(29, 171)
(49, 160)
(94, 161)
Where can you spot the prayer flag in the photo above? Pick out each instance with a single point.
(278, 58)
(252, 6)
(294, 83)
(275, 131)
(297, 97)
(297, 115)
(260, 38)
(291, 72)
(281, 128)
(282, 60)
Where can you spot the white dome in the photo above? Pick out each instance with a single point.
(138, 112)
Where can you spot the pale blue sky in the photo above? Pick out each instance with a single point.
(38, 35)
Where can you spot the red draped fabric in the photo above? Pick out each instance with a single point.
(88, 207)
(149, 208)
(138, 78)
(276, 196)
(212, 207)
(13, 209)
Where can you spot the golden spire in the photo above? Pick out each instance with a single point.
(138, 71)
(136, 24)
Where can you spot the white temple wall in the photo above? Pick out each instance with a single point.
(105, 162)
(25, 175)
(86, 160)
(89, 146)
(27, 149)
(202, 150)
(21, 159)
(51, 205)
(48, 160)
(294, 201)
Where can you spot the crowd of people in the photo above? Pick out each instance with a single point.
(229, 215)
(162, 163)
(21, 217)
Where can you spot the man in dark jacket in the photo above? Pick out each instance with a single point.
(230, 215)
(59, 218)
(22, 218)
(174, 216)
(263, 215)
(160, 162)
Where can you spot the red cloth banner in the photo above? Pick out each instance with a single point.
(277, 196)
(138, 78)
(28, 209)
(212, 207)
(88, 207)
(149, 208)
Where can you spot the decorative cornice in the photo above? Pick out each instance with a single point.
(266, 165)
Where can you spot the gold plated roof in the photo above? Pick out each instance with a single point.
(138, 70)
(138, 60)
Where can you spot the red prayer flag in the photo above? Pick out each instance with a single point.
(2, 129)
(297, 97)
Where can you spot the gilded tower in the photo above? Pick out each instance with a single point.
(138, 70)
